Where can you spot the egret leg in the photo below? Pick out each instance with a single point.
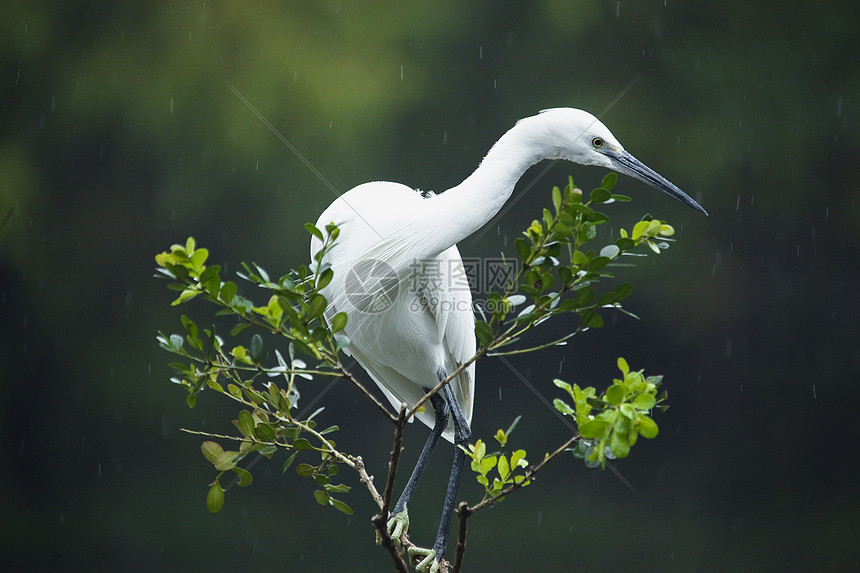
(462, 436)
(399, 522)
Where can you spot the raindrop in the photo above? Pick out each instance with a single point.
(445, 137)
(401, 72)
(617, 9)
(813, 392)
(500, 394)
(540, 518)
(827, 212)
(100, 469)
(481, 53)
(738, 204)
(171, 105)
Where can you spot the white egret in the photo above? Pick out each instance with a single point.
(399, 276)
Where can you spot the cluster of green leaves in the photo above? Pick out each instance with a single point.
(557, 273)
(610, 423)
(266, 422)
(509, 469)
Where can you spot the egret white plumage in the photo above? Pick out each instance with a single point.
(399, 276)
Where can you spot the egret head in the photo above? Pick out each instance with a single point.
(585, 140)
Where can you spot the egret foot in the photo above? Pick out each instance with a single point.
(428, 563)
(397, 527)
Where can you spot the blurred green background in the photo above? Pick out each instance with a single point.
(119, 136)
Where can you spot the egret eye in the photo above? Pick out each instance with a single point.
(597, 142)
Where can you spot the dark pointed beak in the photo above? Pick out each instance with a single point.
(629, 165)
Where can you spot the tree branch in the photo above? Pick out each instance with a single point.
(381, 525)
(393, 460)
(464, 512)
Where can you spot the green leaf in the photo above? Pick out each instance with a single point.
(504, 468)
(339, 488)
(610, 251)
(265, 432)
(245, 423)
(619, 445)
(239, 328)
(289, 462)
(563, 385)
(226, 461)
(609, 180)
(600, 195)
(622, 291)
(211, 451)
(256, 347)
(321, 497)
(484, 332)
(556, 198)
(563, 407)
(186, 295)
(228, 291)
(324, 278)
(627, 411)
(615, 394)
(302, 444)
(305, 470)
(198, 258)
(647, 426)
(317, 306)
(501, 437)
(593, 429)
(310, 228)
(644, 402)
(340, 506)
(245, 477)
(215, 498)
(524, 249)
(338, 322)
(518, 459)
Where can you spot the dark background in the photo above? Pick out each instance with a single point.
(119, 136)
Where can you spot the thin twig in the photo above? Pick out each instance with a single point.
(529, 475)
(366, 480)
(464, 511)
(393, 460)
(346, 374)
